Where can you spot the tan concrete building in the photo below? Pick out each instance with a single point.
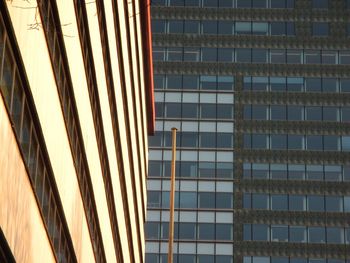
(76, 108)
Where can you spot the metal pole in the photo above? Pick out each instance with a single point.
(172, 194)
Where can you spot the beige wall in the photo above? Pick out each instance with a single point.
(34, 52)
(35, 55)
(20, 219)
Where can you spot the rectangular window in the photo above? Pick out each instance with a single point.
(316, 203)
(259, 55)
(175, 26)
(279, 202)
(278, 112)
(226, 28)
(260, 83)
(320, 29)
(344, 57)
(260, 201)
(244, 3)
(259, 141)
(278, 56)
(243, 55)
(209, 54)
(317, 235)
(243, 28)
(334, 204)
(297, 203)
(260, 112)
(208, 82)
(158, 26)
(226, 55)
(297, 234)
(312, 57)
(279, 233)
(260, 28)
(296, 171)
(191, 27)
(320, 4)
(260, 232)
(278, 84)
(260, 171)
(209, 27)
(191, 54)
(206, 200)
(206, 231)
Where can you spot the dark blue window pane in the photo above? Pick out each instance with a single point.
(244, 3)
(320, 3)
(320, 29)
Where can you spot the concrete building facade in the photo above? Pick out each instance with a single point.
(76, 109)
(259, 91)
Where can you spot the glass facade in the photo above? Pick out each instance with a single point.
(259, 91)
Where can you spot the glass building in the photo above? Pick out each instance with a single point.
(260, 93)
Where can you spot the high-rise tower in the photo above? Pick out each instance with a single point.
(259, 91)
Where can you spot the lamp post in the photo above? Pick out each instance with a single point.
(172, 195)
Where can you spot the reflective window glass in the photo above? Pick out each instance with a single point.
(226, 28)
(260, 28)
(317, 235)
(188, 200)
(259, 55)
(158, 26)
(278, 84)
(279, 202)
(243, 55)
(224, 111)
(278, 171)
(224, 232)
(259, 141)
(314, 172)
(175, 26)
(314, 142)
(209, 27)
(260, 201)
(296, 142)
(320, 29)
(189, 110)
(206, 200)
(312, 57)
(190, 82)
(279, 233)
(297, 202)
(331, 114)
(174, 82)
(297, 234)
(259, 4)
(247, 232)
(319, 3)
(335, 235)
(278, 112)
(260, 232)
(259, 112)
(260, 171)
(334, 204)
(224, 200)
(187, 231)
(206, 231)
(315, 203)
(346, 143)
(278, 142)
(244, 3)
(208, 111)
(278, 56)
(191, 27)
(329, 85)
